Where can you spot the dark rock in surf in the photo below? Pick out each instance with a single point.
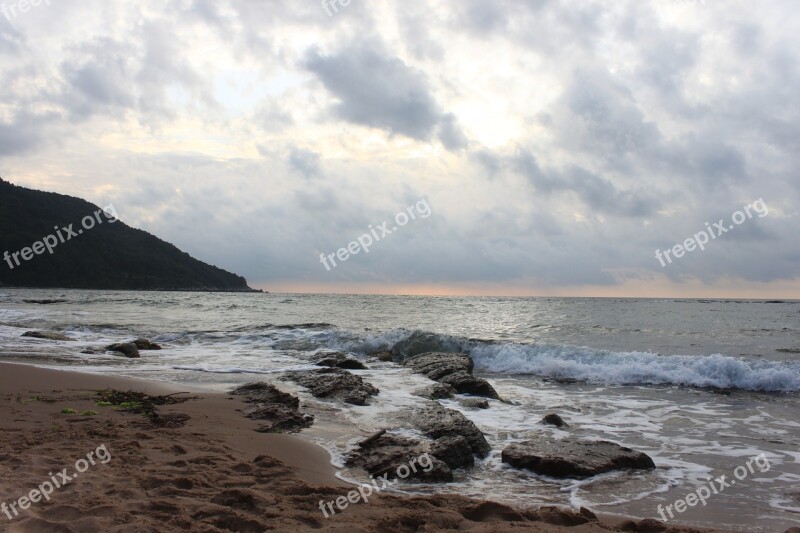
(571, 457)
(340, 360)
(128, 349)
(386, 357)
(453, 450)
(44, 302)
(420, 342)
(279, 409)
(554, 420)
(437, 391)
(47, 335)
(335, 383)
(145, 344)
(436, 422)
(452, 369)
(383, 454)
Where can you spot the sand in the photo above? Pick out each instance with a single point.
(213, 473)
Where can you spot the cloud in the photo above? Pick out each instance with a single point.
(375, 89)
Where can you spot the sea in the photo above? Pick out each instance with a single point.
(701, 385)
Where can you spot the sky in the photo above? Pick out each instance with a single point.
(544, 147)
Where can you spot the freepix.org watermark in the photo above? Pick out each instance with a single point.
(61, 236)
(330, 6)
(713, 487)
(365, 490)
(56, 481)
(364, 242)
(712, 231)
(23, 6)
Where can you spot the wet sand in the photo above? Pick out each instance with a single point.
(213, 473)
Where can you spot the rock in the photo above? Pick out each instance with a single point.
(788, 350)
(386, 453)
(554, 420)
(452, 369)
(437, 391)
(145, 344)
(436, 422)
(648, 525)
(278, 408)
(340, 360)
(44, 302)
(48, 335)
(334, 383)
(793, 530)
(454, 450)
(571, 457)
(476, 403)
(386, 357)
(129, 349)
(420, 342)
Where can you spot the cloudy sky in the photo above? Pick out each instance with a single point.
(558, 144)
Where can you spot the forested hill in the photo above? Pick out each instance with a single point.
(95, 252)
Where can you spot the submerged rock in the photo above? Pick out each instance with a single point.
(279, 409)
(47, 335)
(476, 403)
(128, 349)
(386, 357)
(340, 360)
(573, 458)
(452, 369)
(421, 342)
(334, 383)
(44, 302)
(554, 420)
(436, 422)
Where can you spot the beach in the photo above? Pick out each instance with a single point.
(214, 473)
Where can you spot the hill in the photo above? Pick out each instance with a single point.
(59, 241)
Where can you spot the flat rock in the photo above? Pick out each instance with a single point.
(452, 369)
(44, 302)
(128, 349)
(334, 383)
(279, 409)
(340, 360)
(436, 422)
(48, 335)
(571, 457)
(437, 391)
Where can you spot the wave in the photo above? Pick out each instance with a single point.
(592, 365)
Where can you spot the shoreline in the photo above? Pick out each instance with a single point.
(215, 473)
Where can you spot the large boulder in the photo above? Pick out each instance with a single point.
(280, 410)
(453, 369)
(335, 383)
(436, 422)
(570, 457)
(384, 453)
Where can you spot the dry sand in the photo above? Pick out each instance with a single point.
(214, 473)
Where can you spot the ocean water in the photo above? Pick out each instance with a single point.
(700, 385)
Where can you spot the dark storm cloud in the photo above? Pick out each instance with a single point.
(375, 89)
